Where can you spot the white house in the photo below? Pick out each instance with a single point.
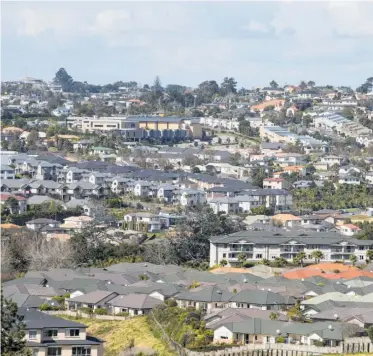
(225, 205)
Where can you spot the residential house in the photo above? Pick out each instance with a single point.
(49, 335)
(93, 300)
(102, 151)
(349, 229)
(226, 205)
(208, 299)
(133, 304)
(264, 332)
(76, 223)
(39, 224)
(189, 197)
(275, 183)
(16, 203)
(165, 192)
(47, 171)
(286, 220)
(82, 144)
(349, 179)
(142, 188)
(146, 222)
(7, 172)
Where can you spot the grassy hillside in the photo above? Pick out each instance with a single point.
(117, 335)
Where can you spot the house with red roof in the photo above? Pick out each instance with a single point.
(348, 229)
(275, 183)
(16, 203)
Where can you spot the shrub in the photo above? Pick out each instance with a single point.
(45, 306)
(318, 343)
(280, 340)
(122, 314)
(143, 277)
(248, 264)
(336, 271)
(171, 303)
(85, 310)
(101, 311)
(59, 299)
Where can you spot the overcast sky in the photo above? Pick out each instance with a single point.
(189, 42)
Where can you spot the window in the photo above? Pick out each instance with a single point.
(81, 351)
(32, 334)
(361, 248)
(51, 333)
(224, 255)
(361, 257)
(54, 351)
(224, 337)
(258, 255)
(35, 352)
(256, 337)
(72, 332)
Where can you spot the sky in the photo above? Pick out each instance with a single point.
(101, 42)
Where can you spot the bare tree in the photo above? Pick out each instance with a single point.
(49, 254)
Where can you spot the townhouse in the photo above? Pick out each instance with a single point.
(258, 245)
(7, 172)
(17, 204)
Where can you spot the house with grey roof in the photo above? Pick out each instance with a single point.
(50, 335)
(260, 299)
(208, 299)
(264, 332)
(7, 172)
(133, 303)
(93, 300)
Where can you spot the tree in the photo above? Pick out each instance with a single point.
(241, 258)
(317, 255)
(12, 330)
(157, 87)
(301, 256)
(303, 85)
(370, 333)
(229, 86)
(311, 83)
(280, 262)
(206, 91)
(223, 263)
(273, 84)
(191, 239)
(353, 259)
(370, 255)
(32, 138)
(64, 79)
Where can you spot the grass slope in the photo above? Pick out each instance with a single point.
(117, 334)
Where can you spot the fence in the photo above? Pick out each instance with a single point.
(84, 315)
(350, 346)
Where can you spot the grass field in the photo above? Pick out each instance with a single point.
(117, 334)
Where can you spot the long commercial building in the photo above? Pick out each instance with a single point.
(258, 245)
(138, 127)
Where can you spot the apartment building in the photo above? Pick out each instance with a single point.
(333, 122)
(47, 335)
(282, 135)
(128, 128)
(258, 245)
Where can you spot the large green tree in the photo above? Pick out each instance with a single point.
(12, 330)
(229, 86)
(64, 79)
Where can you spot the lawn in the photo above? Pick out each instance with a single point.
(117, 334)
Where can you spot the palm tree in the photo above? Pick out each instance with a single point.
(370, 255)
(353, 259)
(301, 256)
(317, 255)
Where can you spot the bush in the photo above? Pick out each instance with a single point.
(336, 271)
(122, 314)
(248, 264)
(59, 300)
(101, 311)
(85, 310)
(319, 343)
(280, 340)
(171, 303)
(45, 307)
